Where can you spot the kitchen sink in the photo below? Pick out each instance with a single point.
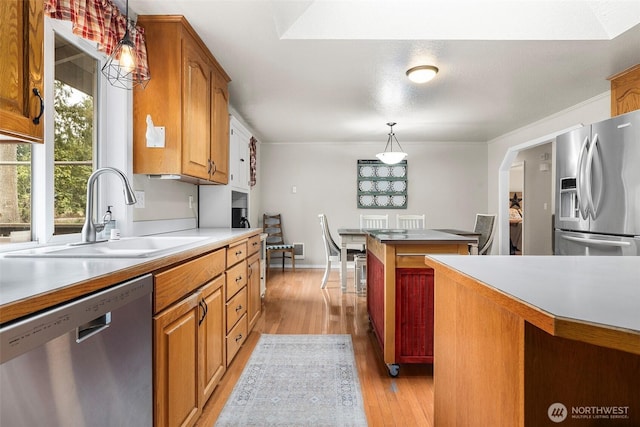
(130, 247)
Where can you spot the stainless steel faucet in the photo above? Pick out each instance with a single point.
(89, 229)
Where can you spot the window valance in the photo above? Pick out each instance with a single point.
(100, 21)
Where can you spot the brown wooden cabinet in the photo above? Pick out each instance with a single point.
(21, 62)
(176, 387)
(625, 91)
(188, 95)
(189, 338)
(212, 356)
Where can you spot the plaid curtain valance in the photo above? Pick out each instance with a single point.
(100, 21)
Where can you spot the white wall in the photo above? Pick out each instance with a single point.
(590, 111)
(446, 181)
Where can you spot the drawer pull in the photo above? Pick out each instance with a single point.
(254, 244)
(238, 253)
(238, 308)
(239, 278)
(239, 337)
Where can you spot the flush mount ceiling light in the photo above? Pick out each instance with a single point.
(389, 156)
(422, 73)
(121, 68)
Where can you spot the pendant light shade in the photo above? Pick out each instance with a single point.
(121, 68)
(389, 156)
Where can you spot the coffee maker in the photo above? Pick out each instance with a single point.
(239, 218)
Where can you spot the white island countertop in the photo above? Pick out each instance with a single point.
(47, 281)
(596, 293)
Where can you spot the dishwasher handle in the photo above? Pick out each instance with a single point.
(93, 327)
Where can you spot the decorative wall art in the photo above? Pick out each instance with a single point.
(382, 186)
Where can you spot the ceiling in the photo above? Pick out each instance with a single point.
(334, 71)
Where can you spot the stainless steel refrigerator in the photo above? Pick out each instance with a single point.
(598, 188)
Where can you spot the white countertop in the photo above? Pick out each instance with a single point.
(23, 278)
(599, 290)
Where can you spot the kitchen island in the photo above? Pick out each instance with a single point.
(400, 290)
(534, 341)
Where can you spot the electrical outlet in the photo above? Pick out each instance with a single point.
(139, 199)
(190, 202)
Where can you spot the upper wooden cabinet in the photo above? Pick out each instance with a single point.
(188, 95)
(21, 62)
(625, 91)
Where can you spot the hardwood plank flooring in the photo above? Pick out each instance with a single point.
(295, 304)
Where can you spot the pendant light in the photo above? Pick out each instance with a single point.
(121, 67)
(389, 156)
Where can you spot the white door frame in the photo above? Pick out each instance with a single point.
(503, 184)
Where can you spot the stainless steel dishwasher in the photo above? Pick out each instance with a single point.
(84, 363)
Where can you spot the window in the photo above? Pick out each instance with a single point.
(15, 197)
(43, 186)
(74, 136)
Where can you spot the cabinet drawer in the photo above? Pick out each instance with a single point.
(236, 278)
(253, 245)
(236, 338)
(236, 253)
(236, 307)
(173, 284)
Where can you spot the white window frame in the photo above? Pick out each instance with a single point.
(114, 143)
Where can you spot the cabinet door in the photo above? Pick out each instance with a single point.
(212, 337)
(253, 285)
(239, 158)
(21, 62)
(414, 315)
(220, 131)
(625, 91)
(196, 133)
(176, 387)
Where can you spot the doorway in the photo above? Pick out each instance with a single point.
(516, 208)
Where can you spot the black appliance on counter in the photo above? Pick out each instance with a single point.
(239, 218)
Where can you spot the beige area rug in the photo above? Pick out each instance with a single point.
(297, 380)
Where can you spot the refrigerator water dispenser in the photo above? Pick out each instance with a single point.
(569, 209)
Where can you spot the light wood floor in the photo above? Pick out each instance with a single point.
(295, 304)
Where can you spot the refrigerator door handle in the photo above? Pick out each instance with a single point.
(595, 242)
(592, 208)
(582, 205)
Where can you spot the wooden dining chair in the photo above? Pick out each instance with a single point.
(272, 226)
(410, 222)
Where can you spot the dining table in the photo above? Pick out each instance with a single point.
(358, 236)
